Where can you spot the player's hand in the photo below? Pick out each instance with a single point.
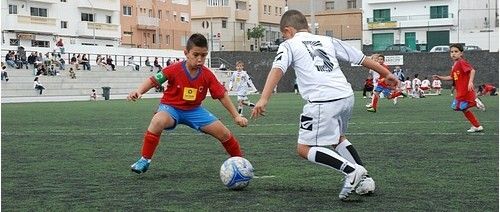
(133, 96)
(259, 109)
(436, 77)
(392, 81)
(470, 87)
(241, 121)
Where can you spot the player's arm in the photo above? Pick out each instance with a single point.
(389, 78)
(153, 81)
(442, 77)
(228, 104)
(273, 78)
(471, 80)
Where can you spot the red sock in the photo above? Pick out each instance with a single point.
(232, 147)
(395, 94)
(472, 118)
(151, 141)
(375, 101)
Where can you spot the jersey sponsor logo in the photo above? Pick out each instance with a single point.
(306, 123)
(319, 56)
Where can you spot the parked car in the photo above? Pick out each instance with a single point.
(399, 48)
(268, 47)
(472, 48)
(440, 49)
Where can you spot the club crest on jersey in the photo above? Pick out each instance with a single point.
(200, 89)
(306, 123)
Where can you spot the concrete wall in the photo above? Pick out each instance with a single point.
(258, 64)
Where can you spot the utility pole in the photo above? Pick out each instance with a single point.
(313, 21)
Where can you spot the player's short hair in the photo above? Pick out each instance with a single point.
(295, 19)
(240, 62)
(198, 40)
(374, 56)
(459, 46)
(382, 56)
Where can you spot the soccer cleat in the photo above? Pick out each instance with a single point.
(371, 109)
(369, 105)
(475, 129)
(351, 181)
(364, 97)
(480, 105)
(395, 101)
(366, 186)
(141, 165)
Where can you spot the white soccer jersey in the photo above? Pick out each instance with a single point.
(415, 83)
(314, 57)
(436, 83)
(375, 77)
(239, 82)
(407, 84)
(425, 83)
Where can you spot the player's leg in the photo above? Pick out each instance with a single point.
(160, 121)
(227, 139)
(374, 103)
(240, 106)
(465, 106)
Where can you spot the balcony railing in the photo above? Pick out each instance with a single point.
(406, 18)
(36, 20)
(145, 22)
(241, 15)
(409, 21)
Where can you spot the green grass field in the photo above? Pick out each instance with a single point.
(75, 156)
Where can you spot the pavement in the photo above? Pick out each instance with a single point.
(69, 98)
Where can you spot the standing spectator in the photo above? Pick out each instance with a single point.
(148, 64)
(157, 64)
(21, 58)
(109, 61)
(32, 59)
(368, 87)
(60, 45)
(5, 76)
(38, 86)
(398, 72)
(85, 62)
(10, 59)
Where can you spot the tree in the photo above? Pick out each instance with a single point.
(257, 33)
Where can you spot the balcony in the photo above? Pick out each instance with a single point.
(109, 5)
(212, 12)
(147, 23)
(410, 22)
(241, 15)
(87, 29)
(46, 1)
(29, 23)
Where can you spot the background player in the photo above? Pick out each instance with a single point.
(241, 82)
(383, 88)
(436, 85)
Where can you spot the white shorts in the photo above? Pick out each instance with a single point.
(322, 124)
(242, 98)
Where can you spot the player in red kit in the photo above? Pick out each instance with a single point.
(187, 85)
(462, 75)
(382, 87)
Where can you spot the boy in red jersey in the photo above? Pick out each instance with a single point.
(487, 88)
(187, 86)
(383, 88)
(462, 75)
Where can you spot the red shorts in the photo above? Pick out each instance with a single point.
(424, 88)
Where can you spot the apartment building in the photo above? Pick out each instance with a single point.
(37, 24)
(339, 19)
(155, 24)
(227, 23)
(421, 25)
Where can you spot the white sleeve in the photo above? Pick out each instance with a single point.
(283, 57)
(231, 80)
(347, 53)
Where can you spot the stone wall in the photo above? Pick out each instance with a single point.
(258, 64)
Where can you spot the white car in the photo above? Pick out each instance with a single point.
(440, 49)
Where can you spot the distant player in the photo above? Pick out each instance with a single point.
(462, 73)
(485, 89)
(425, 86)
(383, 88)
(93, 95)
(188, 83)
(436, 85)
(415, 85)
(407, 84)
(241, 83)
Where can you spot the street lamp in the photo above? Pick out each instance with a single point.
(93, 20)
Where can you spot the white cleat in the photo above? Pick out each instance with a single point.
(368, 106)
(480, 105)
(352, 181)
(475, 129)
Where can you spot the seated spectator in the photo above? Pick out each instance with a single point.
(486, 88)
(84, 61)
(157, 64)
(38, 86)
(109, 61)
(72, 74)
(93, 95)
(38, 59)
(10, 59)
(74, 61)
(21, 58)
(52, 70)
(5, 76)
(133, 64)
(148, 64)
(41, 70)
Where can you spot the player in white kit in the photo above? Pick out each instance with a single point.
(330, 98)
(241, 83)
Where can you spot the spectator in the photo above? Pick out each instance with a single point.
(398, 72)
(74, 61)
(60, 45)
(41, 70)
(93, 95)
(169, 62)
(109, 61)
(148, 64)
(157, 64)
(38, 86)
(10, 59)
(61, 62)
(72, 74)
(32, 59)
(5, 76)
(133, 64)
(85, 62)
(368, 87)
(21, 58)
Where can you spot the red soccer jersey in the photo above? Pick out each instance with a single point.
(488, 88)
(460, 74)
(381, 80)
(185, 92)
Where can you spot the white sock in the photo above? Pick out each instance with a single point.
(331, 159)
(350, 155)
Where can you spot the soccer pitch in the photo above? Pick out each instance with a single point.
(76, 156)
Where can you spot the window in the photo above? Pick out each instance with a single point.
(87, 17)
(39, 43)
(275, 10)
(329, 5)
(159, 15)
(217, 2)
(12, 9)
(14, 42)
(351, 4)
(242, 25)
(439, 12)
(382, 15)
(280, 11)
(35, 11)
(183, 19)
(64, 24)
(154, 38)
(63, 0)
(329, 33)
(265, 9)
(127, 10)
(150, 13)
(125, 33)
(167, 39)
(108, 19)
(224, 24)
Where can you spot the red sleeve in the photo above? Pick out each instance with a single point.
(217, 91)
(464, 66)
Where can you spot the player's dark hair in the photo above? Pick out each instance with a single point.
(198, 40)
(382, 56)
(295, 19)
(458, 46)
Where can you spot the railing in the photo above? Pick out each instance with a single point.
(406, 18)
(36, 20)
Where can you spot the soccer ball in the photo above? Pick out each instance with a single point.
(366, 186)
(236, 173)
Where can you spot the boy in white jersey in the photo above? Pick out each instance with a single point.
(436, 85)
(241, 82)
(415, 84)
(330, 98)
(426, 85)
(407, 84)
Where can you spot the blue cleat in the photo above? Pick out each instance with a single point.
(141, 165)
